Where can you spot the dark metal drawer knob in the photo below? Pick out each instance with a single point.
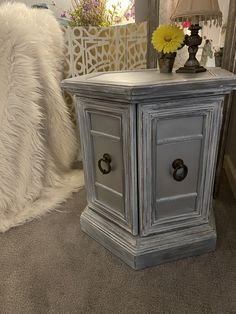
(106, 159)
(180, 170)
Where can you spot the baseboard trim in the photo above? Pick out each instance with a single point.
(230, 173)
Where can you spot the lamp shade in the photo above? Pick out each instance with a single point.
(196, 11)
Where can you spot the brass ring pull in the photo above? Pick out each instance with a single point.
(107, 160)
(180, 170)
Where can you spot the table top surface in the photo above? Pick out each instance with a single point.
(152, 76)
(145, 81)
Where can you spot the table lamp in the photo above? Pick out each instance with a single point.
(195, 11)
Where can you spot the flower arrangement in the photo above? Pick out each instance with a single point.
(120, 14)
(89, 12)
(99, 13)
(168, 38)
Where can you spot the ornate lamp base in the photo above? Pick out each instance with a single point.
(192, 41)
(188, 69)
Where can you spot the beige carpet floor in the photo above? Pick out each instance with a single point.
(50, 266)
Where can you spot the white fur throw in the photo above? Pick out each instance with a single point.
(37, 140)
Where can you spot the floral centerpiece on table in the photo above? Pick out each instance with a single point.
(167, 39)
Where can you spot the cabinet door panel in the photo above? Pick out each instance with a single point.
(106, 124)
(114, 179)
(175, 206)
(109, 129)
(184, 126)
(166, 154)
(110, 198)
(165, 202)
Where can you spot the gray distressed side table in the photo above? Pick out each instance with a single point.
(149, 143)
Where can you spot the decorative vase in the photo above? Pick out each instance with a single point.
(166, 61)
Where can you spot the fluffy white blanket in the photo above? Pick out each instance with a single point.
(37, 140)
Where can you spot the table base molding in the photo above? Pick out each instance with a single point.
(141, 252)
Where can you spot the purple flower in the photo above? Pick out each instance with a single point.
(127, 15)
(96, 3)
(63, 14)
(133, 10)
(117, 19)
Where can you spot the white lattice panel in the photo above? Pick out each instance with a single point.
(90, 49)
(93, 49)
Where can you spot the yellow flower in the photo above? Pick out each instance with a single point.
(167, 38)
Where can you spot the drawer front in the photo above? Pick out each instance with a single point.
(177, 150)
(108, 130)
